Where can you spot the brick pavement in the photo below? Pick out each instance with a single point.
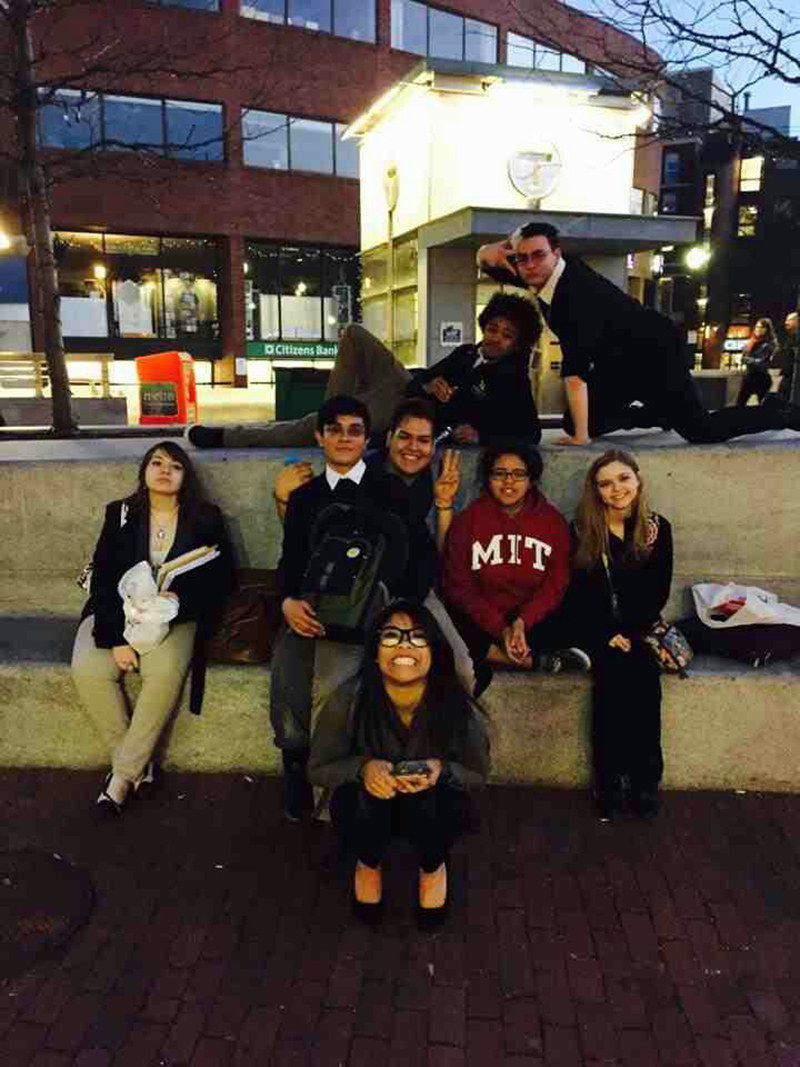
(222, 937)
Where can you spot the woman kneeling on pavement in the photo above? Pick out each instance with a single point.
(401, 745)
(622, 571)
(507, 567)
(164, 518)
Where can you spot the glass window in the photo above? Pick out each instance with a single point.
(669, 202)
(340, 275)
(547, 59)
(572, 65)
(446, 34)
(354, 19)
(750, 175)
(748, 220)
(672, 168)
(70, 120)
(268, 10)
(346, 153)
(82, 281)
(194, 131)
(405, 263)
(410, 26)
(480, 41)
(375, 274)
(133, 122)
(266, 140)
(301, 307)
(312, 14)
(311, 146)
(711, 190)
(264, 263)
(519, 50)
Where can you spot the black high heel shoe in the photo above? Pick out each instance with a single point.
(106, 805)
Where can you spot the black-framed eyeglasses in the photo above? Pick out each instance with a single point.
(501, 475)
(391, 636)
(333, 429)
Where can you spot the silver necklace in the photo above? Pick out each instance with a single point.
(162, 527)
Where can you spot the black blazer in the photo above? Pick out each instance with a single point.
(495, 398)
(202, 592)
(601, 327)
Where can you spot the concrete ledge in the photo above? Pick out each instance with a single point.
(727, 727)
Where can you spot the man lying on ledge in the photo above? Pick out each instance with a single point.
(616, 352)
(480, 391)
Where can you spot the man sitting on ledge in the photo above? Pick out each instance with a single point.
(480, 391)
(615, 351)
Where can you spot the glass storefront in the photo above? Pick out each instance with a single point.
(299, 293)
(383, 290)
(137, 287)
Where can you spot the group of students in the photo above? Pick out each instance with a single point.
(392, 725)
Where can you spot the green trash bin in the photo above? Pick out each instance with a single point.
(298, 391)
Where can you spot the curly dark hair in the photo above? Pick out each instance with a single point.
(190, 496)
(528, 455)
(520, 312)
(448, 707)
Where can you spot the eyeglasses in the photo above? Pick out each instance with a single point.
(530, 257)
(392, 636)
(335, 430)
(501, 475)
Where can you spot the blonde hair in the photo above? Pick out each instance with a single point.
(591, 524)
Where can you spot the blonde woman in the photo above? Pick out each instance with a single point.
(622, 571)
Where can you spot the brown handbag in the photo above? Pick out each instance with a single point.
(250, 620)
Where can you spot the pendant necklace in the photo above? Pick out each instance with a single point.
(162, 526)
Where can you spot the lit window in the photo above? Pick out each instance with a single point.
(266, 140)
(284, 142)
(711, 190)
(750, 175)
(748, 219)
(346, 153)
(311, 146)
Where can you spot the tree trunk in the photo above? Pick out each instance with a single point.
(723, 238)
(36, 212)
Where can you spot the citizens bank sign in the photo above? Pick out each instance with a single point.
(291, 349)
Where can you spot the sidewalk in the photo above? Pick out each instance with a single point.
(222, 937)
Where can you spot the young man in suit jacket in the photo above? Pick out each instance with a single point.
(615, 351)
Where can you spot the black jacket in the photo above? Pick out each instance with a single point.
(601, 327)
(642, 589)
(202, 592)
(495, 398)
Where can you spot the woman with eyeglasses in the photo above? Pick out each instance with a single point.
(400, 746)
(622, 571)
(506, 568)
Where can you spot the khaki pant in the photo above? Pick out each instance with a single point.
(131, 738)
(364, 368)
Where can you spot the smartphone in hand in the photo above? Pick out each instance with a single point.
(408, 767)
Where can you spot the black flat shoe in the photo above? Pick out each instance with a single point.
(150, 780)
(644, 804)
(106, 805)
(608, 806)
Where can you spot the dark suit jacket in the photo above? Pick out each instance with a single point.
(202, 592)
(602, 328)
(495, 398)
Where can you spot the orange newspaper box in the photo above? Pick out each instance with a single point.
(167, 389)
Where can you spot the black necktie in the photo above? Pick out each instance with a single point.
(545, 310)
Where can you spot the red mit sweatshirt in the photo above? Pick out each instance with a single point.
(496, 564)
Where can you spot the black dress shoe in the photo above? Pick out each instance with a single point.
(368, 914)
(298, 793)
(644, 803)
(608, 805)
(204, 436)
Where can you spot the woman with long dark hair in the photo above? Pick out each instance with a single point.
(760, 352)
(400, 746)
(506, 567)
(165, 517)
(622, 571)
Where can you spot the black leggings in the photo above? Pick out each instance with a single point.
(626, 718)
(431, 820)
(547, 635)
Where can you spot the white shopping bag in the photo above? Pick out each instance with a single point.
(716, 606)
(147, 613)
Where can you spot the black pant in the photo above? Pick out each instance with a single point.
(626, 718)
(431, 820)
(547, 635)
(665, 389)
(756, 382)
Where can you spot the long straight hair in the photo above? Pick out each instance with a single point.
(591, 524)
(190, 494)
(446, 705)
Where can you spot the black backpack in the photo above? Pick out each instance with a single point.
(358, 555)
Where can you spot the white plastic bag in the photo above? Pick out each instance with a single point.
(147, 614)
(758, 607)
